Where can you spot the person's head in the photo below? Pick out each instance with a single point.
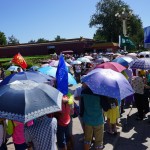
(18, 69)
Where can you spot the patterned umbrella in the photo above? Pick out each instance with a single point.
(26, 100)
(141, 63)
(108, 82)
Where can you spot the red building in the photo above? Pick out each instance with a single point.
(78, 46)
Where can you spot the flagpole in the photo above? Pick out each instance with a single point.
(124, 31)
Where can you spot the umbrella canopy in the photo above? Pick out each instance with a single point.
(111, 65)
(51, 71)
(76, 62)
(109, 83)
(33, 68)
(89, 57)
(144, 53)
(141, 63)
(26, 100)
(13, 68)
(26, 75)
(83, 59)
(101, 60)
(121, 61)
(54, 63)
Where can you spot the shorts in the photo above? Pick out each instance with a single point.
(20, 146)
(62, 135)
(97, 131)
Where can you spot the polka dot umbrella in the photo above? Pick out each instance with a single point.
(108, 82)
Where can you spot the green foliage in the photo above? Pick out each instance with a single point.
(30, 60)
(109, 27)
(58, 38)
(3, 40)
(42, 40)
(12, 40)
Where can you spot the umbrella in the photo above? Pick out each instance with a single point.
(76, 62)
(144, 54)
(83, 59)
(89, 57)
(108, 82)
(45, 65)
(33, 68)
(26, 100)
(111, 65)
(13, 68)
(121, 61)
(141, 63)
(26, 75)
(101, 60)
(54, 63)
(51, 71)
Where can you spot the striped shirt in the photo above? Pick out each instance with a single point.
(42, 133)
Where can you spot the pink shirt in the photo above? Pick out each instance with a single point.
(18, 134)
(64, 120)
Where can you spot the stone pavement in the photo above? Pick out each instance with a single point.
(133, 135)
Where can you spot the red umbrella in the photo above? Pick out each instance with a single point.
(111, 65)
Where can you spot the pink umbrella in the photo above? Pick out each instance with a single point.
(111, 65)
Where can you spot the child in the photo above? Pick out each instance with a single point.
(112, 116)
(63, 119)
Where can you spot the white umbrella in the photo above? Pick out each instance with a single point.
(55, 63)
(76, 62)
(14, 68)
(83, 59)
(144, 53)
(89, 57)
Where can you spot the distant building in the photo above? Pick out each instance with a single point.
(78, 46)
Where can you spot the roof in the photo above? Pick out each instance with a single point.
(105, 45)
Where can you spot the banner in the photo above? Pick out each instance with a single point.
(147, 37)
(19, 60)
(125, 41)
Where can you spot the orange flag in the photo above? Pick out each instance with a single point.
(19, 60)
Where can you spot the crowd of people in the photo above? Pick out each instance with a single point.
(41, 133)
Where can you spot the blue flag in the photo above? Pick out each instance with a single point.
(62, 76)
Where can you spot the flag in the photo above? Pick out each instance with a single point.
(62, 76)
(125, 41)
(147, 37)
(19, 60)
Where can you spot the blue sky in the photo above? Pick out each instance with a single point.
(33, 19)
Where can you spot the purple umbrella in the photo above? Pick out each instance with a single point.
(108, 82)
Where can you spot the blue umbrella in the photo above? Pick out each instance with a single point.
(26, 100)
(141, 63)
(52, 72)
(108, 83)
(26, 75)
(121, 61)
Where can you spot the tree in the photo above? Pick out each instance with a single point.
(12, 40)
(42, 40)
(109, 27)
(32, 41)
(3, 40)
(58, 38)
